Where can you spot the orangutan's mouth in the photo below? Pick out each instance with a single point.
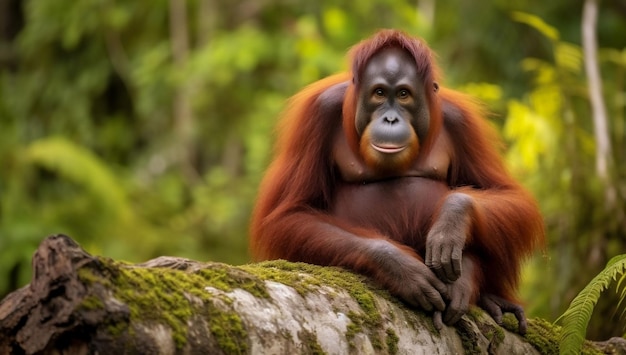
(388, 148)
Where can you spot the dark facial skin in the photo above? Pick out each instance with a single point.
(392, 116)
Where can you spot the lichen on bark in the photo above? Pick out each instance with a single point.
(78, 303)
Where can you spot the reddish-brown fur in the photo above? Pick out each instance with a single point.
(293, 218)
(510, 226)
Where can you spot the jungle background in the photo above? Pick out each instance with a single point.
(142, 128)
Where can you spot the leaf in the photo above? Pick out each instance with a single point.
(576, 318)
(335, 21)
(483, 91)
(568, 56)
(82, 167)
(536, 23)
(622, 296)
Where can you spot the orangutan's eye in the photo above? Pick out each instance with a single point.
(403, 94)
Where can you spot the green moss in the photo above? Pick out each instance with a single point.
(310, 344)
(89, 277)
(91, 303)
(365, 299)
(392, 341)
(362, 323)
(294, 274)
(493, 332)
(590, 349)
(474, 313)
(305, 278)
(377, 342)
(151, 294)
(544, 336)
(351, 331)
(470, 335)
(165, 297)
(353, 328)
(540, 333)
(291, 274)
(227, 278)
(228, 330)
(469, 338)
(116, 328)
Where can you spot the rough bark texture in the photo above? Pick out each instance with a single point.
(80, 304)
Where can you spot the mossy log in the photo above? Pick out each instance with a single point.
(81, 304)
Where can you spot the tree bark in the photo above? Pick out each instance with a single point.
(184, 122)
(600, 121)
(81, 304)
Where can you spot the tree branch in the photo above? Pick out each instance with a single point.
(600, 122)
(79, 304)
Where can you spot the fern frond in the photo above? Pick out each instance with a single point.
(80, 166)
(577, 316)
(622, 295)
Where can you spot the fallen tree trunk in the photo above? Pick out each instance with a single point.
(81, 304)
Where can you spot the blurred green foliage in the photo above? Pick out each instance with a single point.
(142, 133)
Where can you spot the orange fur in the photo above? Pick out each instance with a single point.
(293, 219)
(509, 226)
(400, 162)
